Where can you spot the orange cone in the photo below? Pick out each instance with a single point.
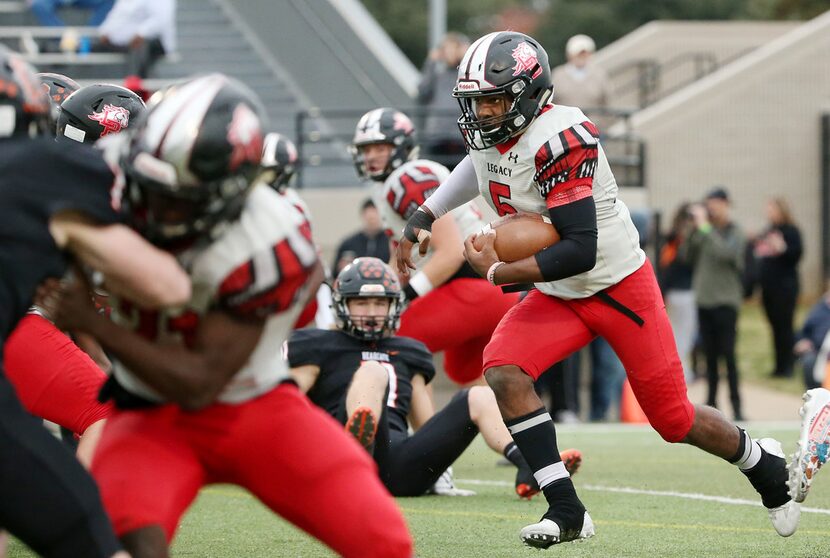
(630, 410)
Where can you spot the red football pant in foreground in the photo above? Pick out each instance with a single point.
(150, 465)
(54, 379)
(542, 330)
(458, 318)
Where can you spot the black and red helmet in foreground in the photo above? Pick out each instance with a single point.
(191, 160)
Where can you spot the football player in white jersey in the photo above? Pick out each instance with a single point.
(202, 393)
(279, 163)
(528, 154)
(445, 287)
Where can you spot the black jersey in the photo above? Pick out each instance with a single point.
(38, 179)
(339, 355)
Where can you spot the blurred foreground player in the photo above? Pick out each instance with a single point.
(58, 203)
(374, 382)
(202, 393)
(528, 154)
(58, 378)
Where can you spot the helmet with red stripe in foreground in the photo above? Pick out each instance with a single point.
(191, 160)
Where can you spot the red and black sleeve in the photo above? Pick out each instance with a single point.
(565, 168)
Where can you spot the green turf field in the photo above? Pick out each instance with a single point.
(227, 522)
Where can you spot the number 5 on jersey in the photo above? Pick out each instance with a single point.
(499, 192)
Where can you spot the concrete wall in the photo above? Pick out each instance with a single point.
(752, 126)
(662, 41)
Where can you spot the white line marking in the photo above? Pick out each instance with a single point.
(621, 427)
(664, 493)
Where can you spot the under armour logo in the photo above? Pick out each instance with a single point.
(513, 157)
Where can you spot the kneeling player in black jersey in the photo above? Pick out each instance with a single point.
(373, 381)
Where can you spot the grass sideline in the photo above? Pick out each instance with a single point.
(227, 522)
(755, 351)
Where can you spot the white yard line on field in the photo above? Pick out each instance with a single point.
(663, 493)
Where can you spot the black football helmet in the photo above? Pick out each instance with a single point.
(191, 160)
(95, 111)
(279, 161)
(384, 125)
(24, 105)
(58, 86)
(365, 278)
(506, 63)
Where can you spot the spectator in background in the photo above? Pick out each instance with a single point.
(46, 11)
(778, 251)
(810, 339)
(144, 29)
(579, 82)
(370, 241)
(716, 250)
(676, 283)
(441, 140)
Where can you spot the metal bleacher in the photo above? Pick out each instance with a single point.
(208, 41)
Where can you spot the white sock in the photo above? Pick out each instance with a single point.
(752, 454)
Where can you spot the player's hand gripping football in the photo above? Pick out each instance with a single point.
(481, 260)
(68, 302)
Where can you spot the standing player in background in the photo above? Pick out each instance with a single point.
(202, 393)
(375, 383)
(58, 378)
(445, 287)
(527, 154)
(279, 163)
(59, 204)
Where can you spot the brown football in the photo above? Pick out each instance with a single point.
(520, 235)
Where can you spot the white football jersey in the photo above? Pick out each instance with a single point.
(405, 190)
(534, 172)
(258, 267)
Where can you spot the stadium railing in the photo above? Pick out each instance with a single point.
(322, 137)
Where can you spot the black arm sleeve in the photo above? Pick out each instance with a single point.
(576, 252)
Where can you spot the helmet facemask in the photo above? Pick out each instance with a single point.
(370, 327)
(174, 217)
(367, 278)
(484, 133)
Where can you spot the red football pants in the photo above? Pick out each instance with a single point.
(542, 330)
(150, 465)
(53, 377)
(458, 318)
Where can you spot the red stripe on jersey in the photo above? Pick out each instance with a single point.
(558, 198)
(506, 146)
(571, 140)
(278, 297)
(544, 155)
(239, 280)
(591, 127)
